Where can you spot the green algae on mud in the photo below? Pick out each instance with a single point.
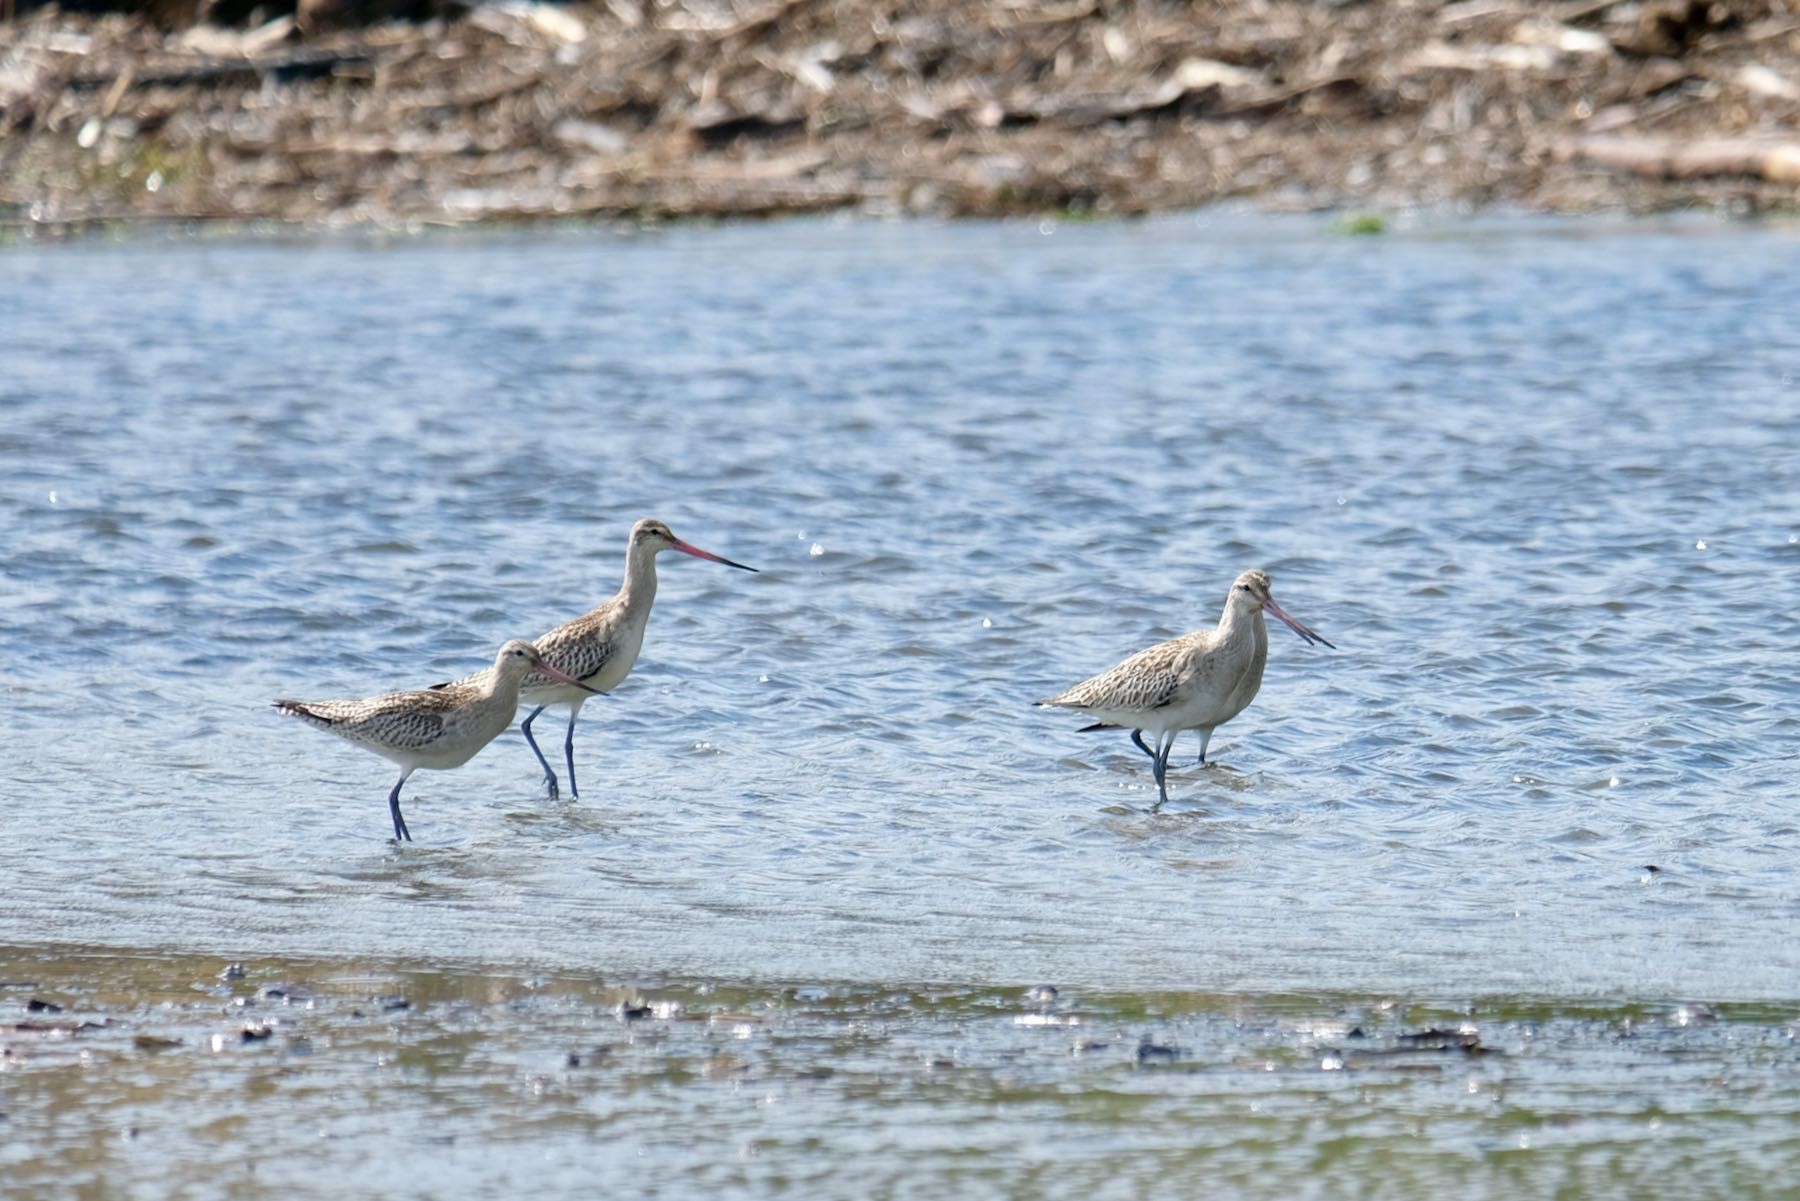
(201, 1076)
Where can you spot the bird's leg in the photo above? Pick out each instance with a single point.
(1137, 736)
(401, 834)
(549, 776)
(1161, 759)
(569, 750)
(1205, 741)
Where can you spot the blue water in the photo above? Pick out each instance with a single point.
(1539, 482)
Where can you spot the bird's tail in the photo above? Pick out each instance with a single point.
(305, 713)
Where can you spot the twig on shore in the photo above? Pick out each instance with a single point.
(1664, 158)
(305, 64)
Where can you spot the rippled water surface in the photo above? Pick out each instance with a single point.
(1540, 483)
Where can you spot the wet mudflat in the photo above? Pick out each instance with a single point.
(187, 1076)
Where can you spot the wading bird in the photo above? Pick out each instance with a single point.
(435, 728)
(598, 649)
(1196, 682)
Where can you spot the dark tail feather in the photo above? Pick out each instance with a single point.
(1099, 725)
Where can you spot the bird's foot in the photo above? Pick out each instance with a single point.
(550, 787)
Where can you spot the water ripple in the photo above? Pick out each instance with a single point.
(1538, 488)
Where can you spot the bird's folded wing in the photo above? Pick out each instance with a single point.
(405, 721)
(578, 655)
(1137, 684)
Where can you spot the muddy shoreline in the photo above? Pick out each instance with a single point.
(519, 111)
(186, 1074)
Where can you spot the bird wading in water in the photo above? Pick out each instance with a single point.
(436, 728)
(1199, 681)
(597, 649)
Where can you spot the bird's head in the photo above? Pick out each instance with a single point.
(1251, 593)
(651, 537)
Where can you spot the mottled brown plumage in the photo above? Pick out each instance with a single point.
(600, 647)
(1196, 682)
(435, 728)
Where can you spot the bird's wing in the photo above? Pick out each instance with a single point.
(1148, 680)
(578, 648)
(408, 729)
(403, 720)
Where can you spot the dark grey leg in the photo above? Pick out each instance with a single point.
(1137, 736)
(401, 834)
(1162, 771)
(569, 753)
(549, 776)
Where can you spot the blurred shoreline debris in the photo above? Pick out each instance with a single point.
(385, 111)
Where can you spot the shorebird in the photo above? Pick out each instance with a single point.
(1196, 682)
(440, 727)
(597, 650)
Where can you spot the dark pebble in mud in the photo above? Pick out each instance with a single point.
(153, 1042)
(256, 1032)
(393, 1004)
(632, 1013)
(1148, 1052)
(232, 971)
(592, 1059)
(1442, 1039)
(286, 992)
(36, 1006)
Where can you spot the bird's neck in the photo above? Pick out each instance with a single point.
(496, 683)
(639, 590)
(1238, 622)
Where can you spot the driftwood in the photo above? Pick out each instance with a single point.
(286, 68)
(1663, 158)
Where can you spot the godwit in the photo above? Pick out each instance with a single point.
(598, 648)
(1196, 682)
(437, 728)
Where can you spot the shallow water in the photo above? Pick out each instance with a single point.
(1537, 481)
